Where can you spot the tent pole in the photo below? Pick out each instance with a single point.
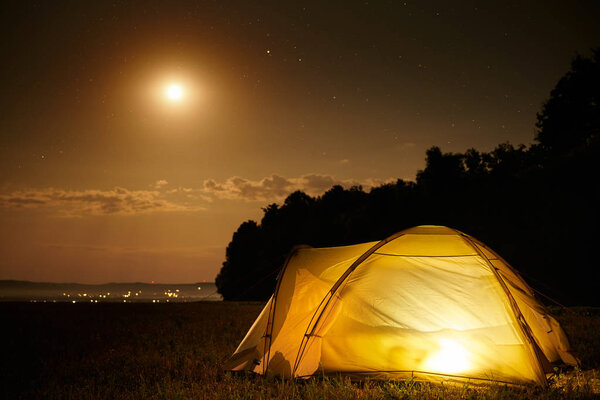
(520, 319)
(271, 319)
(327, 299)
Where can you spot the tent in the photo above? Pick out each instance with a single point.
(428, 303)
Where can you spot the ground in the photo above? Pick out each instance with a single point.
(175, 351)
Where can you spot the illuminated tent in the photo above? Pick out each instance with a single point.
(428, 303)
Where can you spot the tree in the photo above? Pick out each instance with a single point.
(536, 205)
(571, 116)
(242, 263)
(443, 171)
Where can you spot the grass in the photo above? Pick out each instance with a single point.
(175, 351)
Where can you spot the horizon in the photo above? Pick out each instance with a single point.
(106, 283)
(110, 292)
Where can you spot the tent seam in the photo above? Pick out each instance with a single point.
(332, 292)
(513, 303)
(271, 319)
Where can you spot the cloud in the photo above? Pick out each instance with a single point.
(159, 183)
(276, 188)
(122, 201)
(236, 188)
(93, 202)
(189, 194)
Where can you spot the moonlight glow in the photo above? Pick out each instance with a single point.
(174, 92)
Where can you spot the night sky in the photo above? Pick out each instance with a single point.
(104, 178)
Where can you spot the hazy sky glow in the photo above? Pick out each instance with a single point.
(110, 173)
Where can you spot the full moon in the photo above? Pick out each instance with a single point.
(174, 92)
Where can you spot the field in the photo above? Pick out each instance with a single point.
(175, 351)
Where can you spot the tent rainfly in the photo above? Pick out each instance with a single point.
(429, 303)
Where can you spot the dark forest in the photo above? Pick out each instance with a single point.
(536, 205)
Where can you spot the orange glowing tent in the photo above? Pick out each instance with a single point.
(428, 303)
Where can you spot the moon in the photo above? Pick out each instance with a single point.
(174, 92)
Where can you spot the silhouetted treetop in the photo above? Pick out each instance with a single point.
(571, 116)
(537, 206)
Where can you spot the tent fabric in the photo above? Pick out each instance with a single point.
(428, 303)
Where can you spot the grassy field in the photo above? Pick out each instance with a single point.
(175, 351)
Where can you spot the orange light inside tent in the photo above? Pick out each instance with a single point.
(451, 357)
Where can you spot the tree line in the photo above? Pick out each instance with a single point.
(537, 205)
